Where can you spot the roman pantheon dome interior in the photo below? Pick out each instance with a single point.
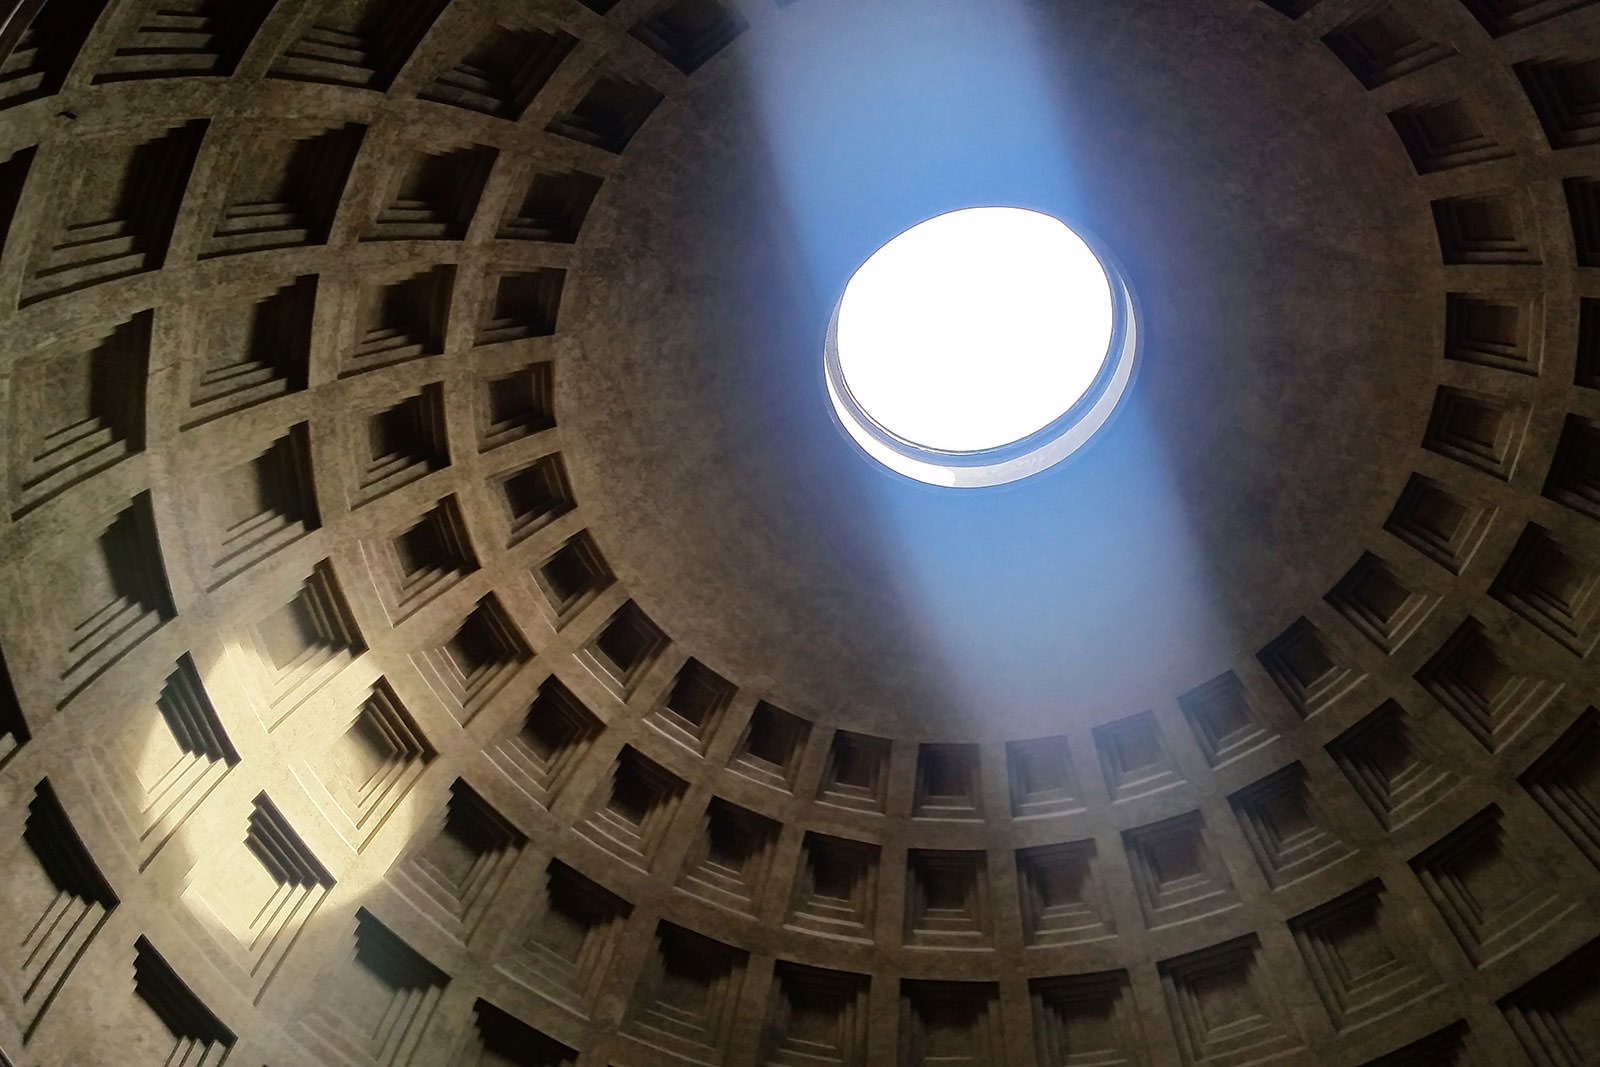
(447, 623)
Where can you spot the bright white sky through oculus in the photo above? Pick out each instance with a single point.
(975, 328)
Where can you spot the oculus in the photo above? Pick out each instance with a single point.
(980, 346)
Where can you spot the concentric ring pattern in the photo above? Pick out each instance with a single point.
(330, 733)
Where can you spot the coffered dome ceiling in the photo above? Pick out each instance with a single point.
(445, 625)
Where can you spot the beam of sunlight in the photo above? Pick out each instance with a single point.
(1079, 590)
(916, 109)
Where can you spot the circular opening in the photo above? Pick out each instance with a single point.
(975, 329)
(968, 349)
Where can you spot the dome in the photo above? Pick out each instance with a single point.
(448, 624)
